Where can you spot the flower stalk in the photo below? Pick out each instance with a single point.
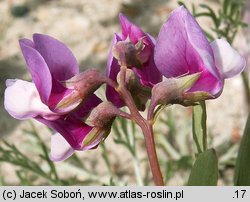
(146, 127)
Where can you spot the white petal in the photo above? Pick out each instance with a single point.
(227, 60)
(60, 148)
(10, 82)
(22, 101)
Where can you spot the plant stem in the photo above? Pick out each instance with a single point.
(146, 127)
(147, 130)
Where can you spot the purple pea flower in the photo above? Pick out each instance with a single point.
(72, 133)
(147, 72)
(50, 64)
(183, 49)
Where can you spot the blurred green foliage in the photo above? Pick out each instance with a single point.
(19, 10)
(226, 21)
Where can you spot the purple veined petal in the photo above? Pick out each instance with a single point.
(22, 101)
(152, 39)
(38, 69)
(129, 29)
(73, 130)
(50, 89)
(58, 93)
(84, 109)
(60, 149)
(81, 86)
(227, 60)
(134, 32)
(93, 139)
(111, 59)
(27, 42)
(182, 47)
(71, 126)
(208, 83)
(149, 74)
(56, 98)
(59, 58)
(112, 70)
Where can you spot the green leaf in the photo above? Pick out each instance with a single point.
(205, 170)
(202, 14)
(242, 168)
(124, 125)
(199, 126)
(193, 10)
(209, 36)
(212, 14)
(2, 181)
(180, 3)
(105, 157)
(225, 6)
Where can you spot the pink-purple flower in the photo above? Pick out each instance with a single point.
(64, 100)
(182, 48)
(53, 67)
(146, 71)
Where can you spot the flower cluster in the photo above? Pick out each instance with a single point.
(64, 100)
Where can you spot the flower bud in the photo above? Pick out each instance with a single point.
(131, 55)
(131, 78)
(82, 85)
(189, 98)
(174, 91)
(102, 115)
(101, 119)
(94, 137)
(140, 93)
(171, 90)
